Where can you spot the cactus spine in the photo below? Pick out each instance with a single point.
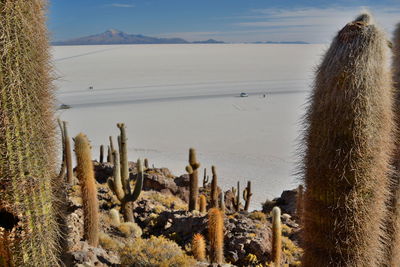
(28, 225)
(216, 235)
(247, 195)
(192, 169)
(393, 218)
(68, 155)
(85, 174)
(101, 159)
(199, 247)
(214, 188)
(203, 203)
(347, 156)
(276, 236)
(123, 189)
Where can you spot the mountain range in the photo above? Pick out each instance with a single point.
(118, 37)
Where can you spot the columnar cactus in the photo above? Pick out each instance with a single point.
(111, 149)
(146, 163)
(247, 195)
(216, 235)
(192, 169)
(214, 188)
(299, 202)
(349, 142)
(199, 247)
(123, 154)
(101, 158)
(68, 155)
(122, 189)
(85, 175)
(28, 227)
(205, 178)
(236, 199)
(109, 156)
(203, 203)
(393, 217)
(276, 236)
(63, 164)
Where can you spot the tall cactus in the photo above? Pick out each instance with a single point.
(192, 169)
(68, 154)
(122, 189)
(111, 149)
(216, 235)
(393, 217)
(247, 195)
(214, 188)
(63, 163)
(85, 175)
(276, 236)
(349, 141)
(28, 225)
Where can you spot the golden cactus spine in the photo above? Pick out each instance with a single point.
(276, 236)
(203, 203)
(85, 174)
(192, 169)
(216, 235)
(349, 142)
(393, 217)
(199, 247)
(214, 188)
(27, 137)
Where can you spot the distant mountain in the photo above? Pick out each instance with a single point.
(283, 42)
(209, 41)
(118, 37)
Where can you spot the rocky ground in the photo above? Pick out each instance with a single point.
(163, 227)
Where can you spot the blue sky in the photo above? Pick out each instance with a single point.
(314, 21)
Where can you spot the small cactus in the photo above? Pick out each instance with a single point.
(276, 236)
(236, 199)
(192, 169)
(101, 158)
(68, 155)
(299, 202)
(146, 163)
(111, 149)
(86, 179)
(205, 178)
(203, 203)
(216, 235)
(214, 188)
(199, 247)
(114, 216)
(247, 195)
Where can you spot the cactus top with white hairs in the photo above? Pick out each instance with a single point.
(349, 142)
